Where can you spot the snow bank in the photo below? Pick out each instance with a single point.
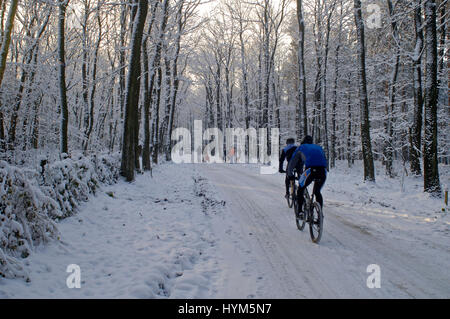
(397, 200)
(70, 182)
(31, 201)
(152, 238)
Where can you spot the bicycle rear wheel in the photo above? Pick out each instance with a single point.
(290, 201)
(316, 223)
(291, 198)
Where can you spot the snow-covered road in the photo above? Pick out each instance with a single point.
(225, 231)
(289, 265)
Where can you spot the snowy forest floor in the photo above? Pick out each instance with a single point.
(225, 231)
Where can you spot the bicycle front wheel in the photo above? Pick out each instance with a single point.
(316, 223)
(300, 219)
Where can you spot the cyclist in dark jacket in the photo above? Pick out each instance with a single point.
(313, 157)
(286, 154)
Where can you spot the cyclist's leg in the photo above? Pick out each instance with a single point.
(320, 177)
(288, 183)
(301, 191)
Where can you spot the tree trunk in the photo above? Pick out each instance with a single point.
(302, 76)
(85, 71)
(148, 90)
(390, 109)
(167, 104)
(147, 103)
(94, 86)
(176, 83)
(122, 64)
(443, 16)
(246, 97)
(2, 131)
(156, 67)
(330, 12)
(369, 170)
(218, 96)
(132, 95)
(334, 107)
(430, 157)
(416, 130)
(62, 77)
(6, 39)
(350, 155)
(156, 141)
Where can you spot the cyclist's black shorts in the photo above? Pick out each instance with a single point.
(317, 175)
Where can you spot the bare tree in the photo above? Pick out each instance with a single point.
(6, 38)
(416, 130)
(301, 110)
(147, 69)
(390, 108)
(430, 159)
(369, 170)
(6, 41)
(62, 76)
(333, 154)
(130, 139)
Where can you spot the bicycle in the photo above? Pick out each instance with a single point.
(314, 217)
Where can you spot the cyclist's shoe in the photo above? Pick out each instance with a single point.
(301, 215)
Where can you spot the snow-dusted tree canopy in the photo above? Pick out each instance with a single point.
(230, 63)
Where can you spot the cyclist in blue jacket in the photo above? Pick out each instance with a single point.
(286, 154)
(313, 157)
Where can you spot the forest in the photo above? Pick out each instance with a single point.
(367, 79)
